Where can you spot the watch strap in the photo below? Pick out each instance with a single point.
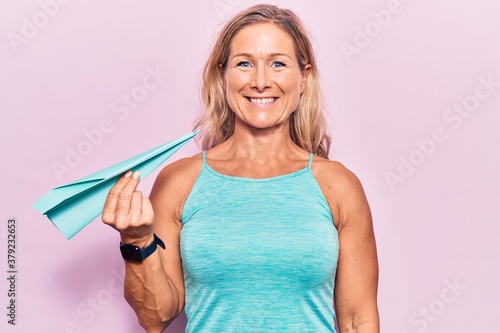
(151, 248)
(144, 252)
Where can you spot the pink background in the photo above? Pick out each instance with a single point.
(387, 90)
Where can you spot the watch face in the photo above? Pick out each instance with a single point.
(131, 253)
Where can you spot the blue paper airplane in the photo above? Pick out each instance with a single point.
(73, 206)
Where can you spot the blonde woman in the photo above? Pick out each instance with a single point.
(263, 233)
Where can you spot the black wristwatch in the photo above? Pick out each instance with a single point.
(136, 254)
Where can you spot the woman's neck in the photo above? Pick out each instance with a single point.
(260, 144)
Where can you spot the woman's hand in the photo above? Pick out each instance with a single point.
(127, 211)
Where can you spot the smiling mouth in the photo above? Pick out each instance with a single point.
(262, 101)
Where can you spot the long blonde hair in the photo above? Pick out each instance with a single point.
(308, 128)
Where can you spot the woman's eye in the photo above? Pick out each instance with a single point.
(243, 64)
(278, 64)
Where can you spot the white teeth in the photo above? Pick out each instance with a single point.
(263, 101)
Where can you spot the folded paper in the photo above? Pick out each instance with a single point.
(73, 206)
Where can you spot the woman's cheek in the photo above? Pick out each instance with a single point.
(236, 79)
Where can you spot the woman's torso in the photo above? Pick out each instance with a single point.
(258, 255)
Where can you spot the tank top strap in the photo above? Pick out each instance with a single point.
(311, 155)
(204, 157)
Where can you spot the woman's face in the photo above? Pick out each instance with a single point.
(263, 81)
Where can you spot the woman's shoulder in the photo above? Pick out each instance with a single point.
(341, 187)
(334, 176)
(181, 173)
(332, 169)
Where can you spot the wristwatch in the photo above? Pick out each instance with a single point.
(136, 254)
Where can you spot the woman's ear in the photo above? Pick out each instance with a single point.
(305, 74)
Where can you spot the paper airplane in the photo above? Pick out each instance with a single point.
(73, 206)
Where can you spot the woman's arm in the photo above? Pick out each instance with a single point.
(357, 272)
(154, 288)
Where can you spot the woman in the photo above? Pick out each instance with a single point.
(263, 233)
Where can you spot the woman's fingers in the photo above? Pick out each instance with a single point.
(147, 211)
(108, 212)
(140, 219)
(127, 210)
(124, 201)
(135, 214)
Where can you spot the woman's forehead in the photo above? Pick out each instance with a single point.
(263, 38)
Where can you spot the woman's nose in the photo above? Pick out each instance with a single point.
(260, 78)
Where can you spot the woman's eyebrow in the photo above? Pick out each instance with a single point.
(276, 55)
(246, 55)
(270, 55)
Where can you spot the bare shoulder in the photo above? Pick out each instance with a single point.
(341, 187)
(176, 179)
(335, 176)
(181, 171)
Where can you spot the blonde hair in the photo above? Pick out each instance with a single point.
(307, 123)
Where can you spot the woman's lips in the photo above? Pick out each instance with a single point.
(262, 101)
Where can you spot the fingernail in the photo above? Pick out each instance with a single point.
(136, 175)
(128, 174)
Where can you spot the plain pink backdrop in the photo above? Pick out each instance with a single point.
(392, 73)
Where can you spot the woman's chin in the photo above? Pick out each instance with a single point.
(263, 124)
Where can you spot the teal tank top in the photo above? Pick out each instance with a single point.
(258, 255)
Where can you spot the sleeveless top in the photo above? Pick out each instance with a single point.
(258, 255)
